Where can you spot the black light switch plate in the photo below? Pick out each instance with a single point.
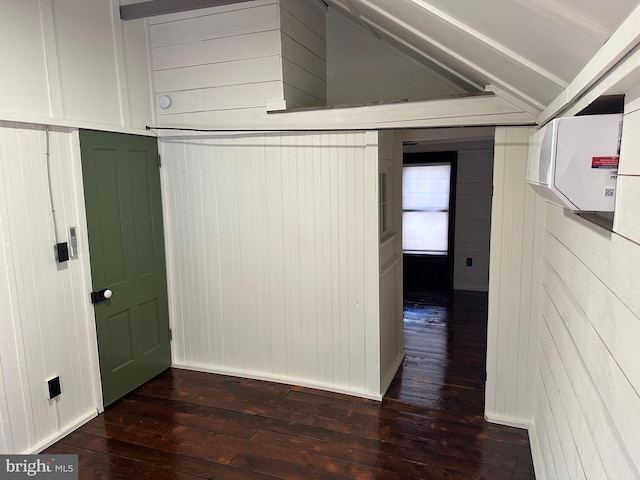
(54, 387)
(62, 250)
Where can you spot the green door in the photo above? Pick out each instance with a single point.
(126, 245)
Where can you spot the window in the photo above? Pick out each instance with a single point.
(384, 227)
(425, 208)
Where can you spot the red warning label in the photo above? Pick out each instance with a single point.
(605, 162)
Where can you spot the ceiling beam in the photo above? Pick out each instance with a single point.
(505, 86)
(623, 41)
(152, 8)
(489, 42)
(471, 111)
(516, 101)
(566, 16)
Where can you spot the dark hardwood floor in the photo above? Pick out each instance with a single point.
(189, 425)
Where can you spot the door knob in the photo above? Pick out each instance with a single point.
(101, 295)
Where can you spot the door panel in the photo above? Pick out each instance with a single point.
(124, 216)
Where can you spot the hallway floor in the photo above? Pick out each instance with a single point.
(189, 425)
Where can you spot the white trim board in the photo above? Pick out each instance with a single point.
(62, 433)
(623, 41)
(282, 380)
(507, 422)
(482, 110)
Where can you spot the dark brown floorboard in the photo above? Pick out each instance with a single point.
(190, 425)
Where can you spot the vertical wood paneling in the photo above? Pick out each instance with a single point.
(515, 235)
(6, 440)
(75, 64)
(25, 82)
(47, 318)
(294, 244)
(371, 267)
(390, 262)
(99, 72)
(339, 370)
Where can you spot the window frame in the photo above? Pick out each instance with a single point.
(436, 158)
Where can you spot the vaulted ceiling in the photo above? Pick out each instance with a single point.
(527, 49)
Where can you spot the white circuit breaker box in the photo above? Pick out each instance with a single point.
(573, 161)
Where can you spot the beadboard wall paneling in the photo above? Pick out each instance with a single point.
(474, 189)
(273, 257)
(6, 438)
(47, 320)
(517, 220)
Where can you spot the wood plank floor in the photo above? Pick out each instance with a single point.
(189, 425)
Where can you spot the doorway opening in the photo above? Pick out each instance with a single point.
(428, 200)
(446, 278)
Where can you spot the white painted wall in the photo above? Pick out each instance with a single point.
(273, 257)
(363, 69)
(304, 52)
(586, 417)
(474, 189)
(218, 60)
(70, 63)
(391, 289)
(516, 242)
(47, 318)
(74, 63)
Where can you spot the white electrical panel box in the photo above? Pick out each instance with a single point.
(573, 161)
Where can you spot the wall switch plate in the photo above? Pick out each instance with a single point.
(469, 262)
(54, 387)
(73, 242)
(62, 252)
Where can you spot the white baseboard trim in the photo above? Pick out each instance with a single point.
(284, 380)
(66, 430)
(509, 422)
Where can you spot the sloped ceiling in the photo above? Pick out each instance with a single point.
(528, 49)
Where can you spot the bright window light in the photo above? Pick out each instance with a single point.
(425, 205)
